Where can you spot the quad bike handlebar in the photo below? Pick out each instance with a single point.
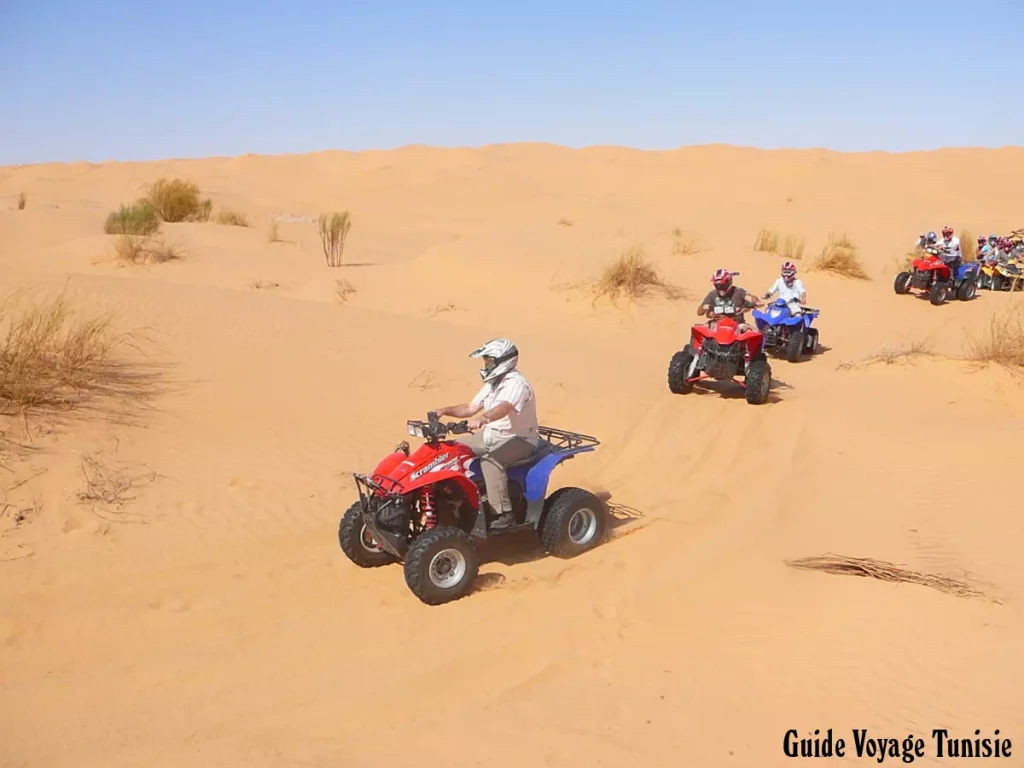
(434, 429)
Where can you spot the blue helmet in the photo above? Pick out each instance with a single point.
(932, 237)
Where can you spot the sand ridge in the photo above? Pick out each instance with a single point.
(213, 620)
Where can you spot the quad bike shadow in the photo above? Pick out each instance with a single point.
(425, 509)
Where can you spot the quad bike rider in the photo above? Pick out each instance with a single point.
(789, 287)
(949, 250)
(508, 421)
(725, 348)
(940, 273)
(1002, 268)
(787, 325)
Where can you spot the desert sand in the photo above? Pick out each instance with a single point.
(212, 620)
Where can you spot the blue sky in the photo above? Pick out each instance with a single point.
(131, 80)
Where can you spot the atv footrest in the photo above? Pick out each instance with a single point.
(510, 529)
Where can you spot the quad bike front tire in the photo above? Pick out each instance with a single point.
(441, 565)
(902, 283)
(678, 368)
(968, 290)
(938, 294)
(812, 341)
(758, 381)
(573, 522)
(357, 543)
(795, 346)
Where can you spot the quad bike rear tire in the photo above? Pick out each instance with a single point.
(938, 294)
(902, 283)
(968, 290)
(795, 346)
(352, 536)
(678, 367)
(811, 345)
(441, 565)
(574, 522)
(758, 381)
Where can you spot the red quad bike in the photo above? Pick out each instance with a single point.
(425, 509)
(723, 354)
(932, 276)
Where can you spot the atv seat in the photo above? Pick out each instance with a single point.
(542, 450)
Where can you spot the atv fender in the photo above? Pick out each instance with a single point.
(389, 463)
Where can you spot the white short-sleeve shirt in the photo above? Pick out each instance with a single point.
(788, 292)
(522, 421)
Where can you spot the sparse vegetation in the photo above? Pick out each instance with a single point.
(49, 358)
(1004, 343)
(334, 230)
(632, 276)
(177, 200)
(968, 245)
(840, 256)
(273, 235)
(893, 353)
(789, 247)
(262, 285)
(564, 222)
(135, 219)
(137, 250)
(232, 219)
(685, 246)
(344, 289)
(22, 201)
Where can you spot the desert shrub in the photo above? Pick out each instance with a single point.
(178, 200)
(232, 219)
(138, 250)
(344, 289)
(334, 230)
(49, 358)
(22, 201)
(632, 276)
(767, 241)
(273, 234)
(1004, 343)
(840, 256)
(685, 246)
(788, 246)
(135, 219)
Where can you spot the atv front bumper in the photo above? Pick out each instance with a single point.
(373, 498)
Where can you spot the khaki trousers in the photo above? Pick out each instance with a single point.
(493, 461)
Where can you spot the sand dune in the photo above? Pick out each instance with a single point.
(213, 620)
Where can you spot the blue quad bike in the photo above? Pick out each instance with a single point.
(786, 333)
(425, 508)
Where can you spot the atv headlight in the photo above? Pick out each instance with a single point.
(416, 430)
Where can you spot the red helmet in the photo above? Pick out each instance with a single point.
(722, 279)
(947, 231)
(981, 240)
(788, 271)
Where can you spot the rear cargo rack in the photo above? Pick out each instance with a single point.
(562, 440)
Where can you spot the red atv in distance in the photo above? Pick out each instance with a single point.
(931, 275)
(723, 354)
(424, 508)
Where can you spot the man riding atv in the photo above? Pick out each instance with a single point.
(790, 288)
(509, 422)
(727, 300)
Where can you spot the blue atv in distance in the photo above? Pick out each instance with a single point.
(784, 331)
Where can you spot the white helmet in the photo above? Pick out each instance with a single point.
(503, 353)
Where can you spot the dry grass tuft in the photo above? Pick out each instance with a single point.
(767, 241)
(789, 247)
(632, 276)
(344, 289)
(136, 250)
(273, 234)
(263, 285)
(841, 257)
(52, 360)
(232, 219)
(177, 200)
(564, 222)
(969, 245)
(685, 246)
(108, 488)
(135, 219)
(1004, 343)
(891, 353)
(334, 230)
(22, 201)
(879, 569)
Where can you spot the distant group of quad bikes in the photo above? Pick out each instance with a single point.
(424, 508)
(999, 267)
